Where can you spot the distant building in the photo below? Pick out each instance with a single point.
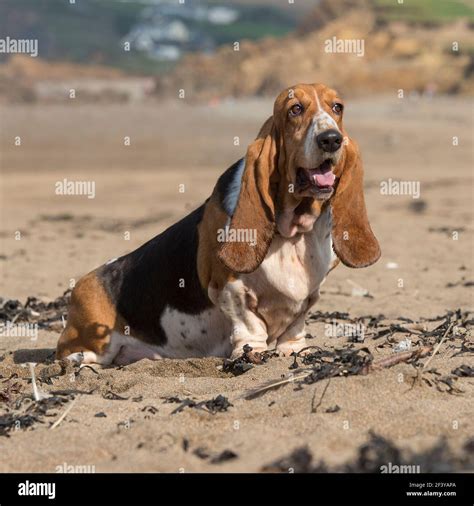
(167, 30)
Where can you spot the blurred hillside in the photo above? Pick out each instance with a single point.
(158, 31)
(191, 46)
(403, 48)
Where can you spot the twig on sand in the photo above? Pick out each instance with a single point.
(37, 394)
(438, 346)
(313, 407)
(421, 370)
(398, 358)
(381, 364)
(63, 416)
(273, 385)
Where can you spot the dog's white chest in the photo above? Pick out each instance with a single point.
(289, 278)
(282, 289)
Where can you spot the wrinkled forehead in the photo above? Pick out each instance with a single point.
(310, 95)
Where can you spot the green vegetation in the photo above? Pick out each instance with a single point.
(424, 11)
(91, 31)
(243, 30)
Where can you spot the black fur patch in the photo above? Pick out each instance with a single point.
(142, 283)
(228, 186)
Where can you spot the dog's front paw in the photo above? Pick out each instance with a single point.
(286, 348)
(251, 353)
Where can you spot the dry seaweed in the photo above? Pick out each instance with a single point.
(324, 364)
(44, 405)
(218, 404)
(340, 362)
(204, 454)
(45, 314)
(14, 421)
(328, 364)
(321, 316)
(377, 326)
(171, 399)
(445, 383)
(184, 403)
(376, 453)
(462, 282)
(224, 456)
(373, 454)
(213, 406)
(150, 410)
(298, 461)
(463, 370)
(112, 396)
(246, 361)
(34, 412)
(11, 389)
(185, 444)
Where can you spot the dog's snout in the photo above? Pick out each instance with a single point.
(329, 140)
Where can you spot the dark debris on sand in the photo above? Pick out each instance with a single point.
(14, 421)
(246, 361)
(375, 454)
(323, 364)
(375, 327)
(329, 363)
(47, 315)
(26, 415)
(309, 366)
(463, 370)
(218, 458)
(443, 383)
(112, 396)
(216, 405)
(298, 461)
(9, 390)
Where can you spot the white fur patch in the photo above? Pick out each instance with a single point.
(128, 349)
(291, 275)
(321, 121)
(121, 350)
(198, 335)
(83, 357)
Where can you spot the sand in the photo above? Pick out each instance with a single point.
(62, 238)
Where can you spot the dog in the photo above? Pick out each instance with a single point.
(247, 265)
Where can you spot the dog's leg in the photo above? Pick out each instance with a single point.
(90, 323)
(131, 350)
(293, 339)
(83, 357)
(236, 302)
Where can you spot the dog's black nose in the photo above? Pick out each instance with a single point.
(329, 140)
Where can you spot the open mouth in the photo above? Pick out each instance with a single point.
(320, 179)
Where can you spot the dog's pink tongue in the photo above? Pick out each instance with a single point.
(324, 179)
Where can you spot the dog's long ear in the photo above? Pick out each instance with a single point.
(254, 215)
(353, 239)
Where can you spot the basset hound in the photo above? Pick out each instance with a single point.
(246, 266)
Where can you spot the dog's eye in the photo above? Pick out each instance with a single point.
(295, 110)
(338, 108)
